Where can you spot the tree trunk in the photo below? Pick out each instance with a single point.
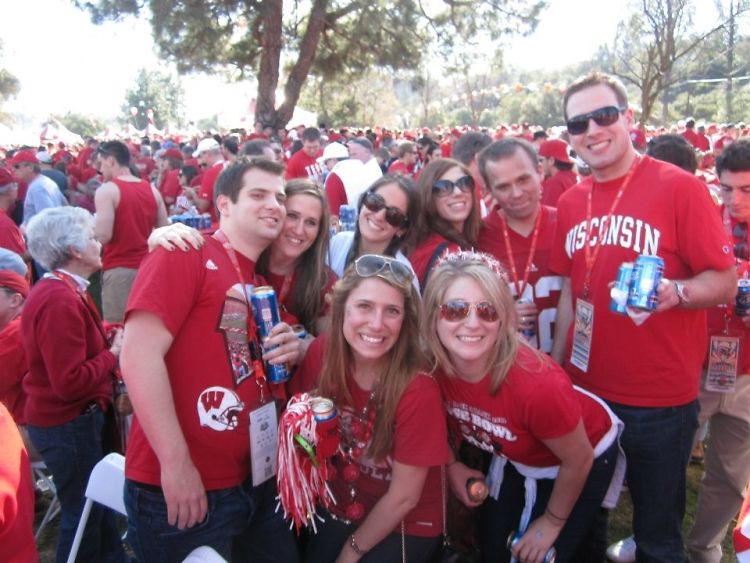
(307, 49)
(730, 61)
(269, 36)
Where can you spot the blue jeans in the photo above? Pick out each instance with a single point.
(241, 525)
(657, 444)
(580, 540)
(71, 451)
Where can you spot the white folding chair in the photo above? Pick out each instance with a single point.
(105, 487)
(43, 483)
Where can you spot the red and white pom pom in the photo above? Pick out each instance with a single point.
(301, 480)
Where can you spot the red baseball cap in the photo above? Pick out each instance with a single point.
(557, 149)
(24, 156)
(172, 153)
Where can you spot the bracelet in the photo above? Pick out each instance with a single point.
(548, 511)
(355, 547)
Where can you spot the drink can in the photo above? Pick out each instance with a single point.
(323, 409)
(266, 313)
(477, 489)
(624, 275)
(205, 222)
(644, 283)
(347, 217)
(742, 301)
(528, 332)
(515, 537)
(300, 331)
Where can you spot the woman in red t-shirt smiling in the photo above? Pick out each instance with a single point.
(507, 399)
(393, 436)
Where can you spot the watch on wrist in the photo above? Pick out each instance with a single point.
(681, 292)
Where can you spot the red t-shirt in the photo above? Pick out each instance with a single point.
(544, 286)
(691, 137)
(553, 188)
(666, 212)
(419, 439)
(206, 191)
(135, 218)
(718, 317)
(16, 496)
(535, 402)
(197, 297)
(301, 165)
(145, 165)
(12, 370)
(398, 167)
(10, 235)
(422, 254)
(170, 187)
(335, 193)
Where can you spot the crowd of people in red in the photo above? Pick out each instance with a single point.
(448, 289)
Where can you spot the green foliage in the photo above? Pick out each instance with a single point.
(9, 86)
(328, 38)
(155, 92)
(83, 125)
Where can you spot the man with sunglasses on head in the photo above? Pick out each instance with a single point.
(725, 404)
(519, 233)
(645, 366)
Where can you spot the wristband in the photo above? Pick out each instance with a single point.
(548, 511)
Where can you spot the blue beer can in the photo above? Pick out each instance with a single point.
(266, 313)
(647, 273)
(742, 301)
(624, 275)
(515, 537)
(347, 218)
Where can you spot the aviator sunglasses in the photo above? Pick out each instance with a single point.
(369, 265)
(393, 216)
(443, 188)
(457, 310)
(603, 117)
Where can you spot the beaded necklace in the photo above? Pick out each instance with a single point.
(352, 448)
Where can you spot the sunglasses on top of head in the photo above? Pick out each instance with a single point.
(369, 265)
(393, 215)
(603, 117)
(457, 310)
(443, 188)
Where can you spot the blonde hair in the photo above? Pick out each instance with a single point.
(475, 267)
(402, 361)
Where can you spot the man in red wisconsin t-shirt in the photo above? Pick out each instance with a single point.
(647, 371)
(191, 360)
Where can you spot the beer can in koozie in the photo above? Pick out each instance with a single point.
(266, 313)
(742, 301)
(323, 409)
(515, 537)
(644, 283)
(624, 275)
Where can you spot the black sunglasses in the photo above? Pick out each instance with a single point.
(603, 117)
(393, 215)
(443, 188)
(369, 265)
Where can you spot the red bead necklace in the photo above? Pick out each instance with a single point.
(353, 445)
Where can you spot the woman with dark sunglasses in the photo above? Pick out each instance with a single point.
(387, 213)
(553, 447)
(450, 218)
(386, 478)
